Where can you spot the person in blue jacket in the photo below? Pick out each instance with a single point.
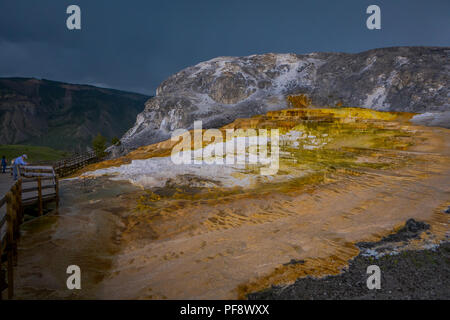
(19, 161)
(3, 164)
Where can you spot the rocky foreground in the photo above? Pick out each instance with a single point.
(218, 91)
(409, 274)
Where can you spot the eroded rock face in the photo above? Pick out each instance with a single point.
(413, 79)
(63, 116)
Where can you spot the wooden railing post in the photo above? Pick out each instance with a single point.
(57, 192)
(15, 220)
(19, 200)
(3, 282)
(19, 171)
(39, 183)
(10, 243)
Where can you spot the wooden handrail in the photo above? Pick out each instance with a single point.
(10, 244)
(37, 174)
(67, 166)
(27, 167)
(14, 212)
(34, 179)
(49, 186)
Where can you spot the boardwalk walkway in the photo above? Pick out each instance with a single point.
(6, 182)
(37, 185)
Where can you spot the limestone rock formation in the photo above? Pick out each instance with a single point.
(413, 79)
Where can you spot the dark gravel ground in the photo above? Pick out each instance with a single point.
(411, 274)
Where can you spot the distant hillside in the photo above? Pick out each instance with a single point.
(63, 116)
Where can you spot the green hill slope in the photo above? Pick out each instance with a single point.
(34, 153)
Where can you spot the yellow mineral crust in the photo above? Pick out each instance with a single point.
(371, 172)
(284, 120)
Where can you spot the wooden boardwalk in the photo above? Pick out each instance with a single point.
(6, 182)
(66, 167)
(36, 186)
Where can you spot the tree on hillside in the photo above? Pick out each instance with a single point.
(99, 145)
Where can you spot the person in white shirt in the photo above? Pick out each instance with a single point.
(19, 161)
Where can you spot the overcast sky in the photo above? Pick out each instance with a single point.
(134, 45)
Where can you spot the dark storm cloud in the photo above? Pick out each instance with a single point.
(134, 45)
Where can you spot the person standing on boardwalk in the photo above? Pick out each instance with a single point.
(3, 164)
(19, 161)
